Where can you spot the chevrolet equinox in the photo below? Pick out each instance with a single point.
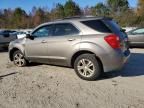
(90, 45)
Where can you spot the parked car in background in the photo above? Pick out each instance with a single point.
(136, 37)
(90, 45)
(21, 34)
(6, 38)
(127, 29)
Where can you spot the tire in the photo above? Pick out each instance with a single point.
(87, 67)
(18, 59)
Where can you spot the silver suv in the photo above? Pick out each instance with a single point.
(89, 45)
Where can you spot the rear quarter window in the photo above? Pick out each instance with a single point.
(97, 25)
(65, 29)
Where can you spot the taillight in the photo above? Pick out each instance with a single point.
(113, 40)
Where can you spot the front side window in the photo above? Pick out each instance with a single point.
(64, 29)
(138, 31)
(44, 31)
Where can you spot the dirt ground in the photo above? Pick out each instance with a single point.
(45, 86)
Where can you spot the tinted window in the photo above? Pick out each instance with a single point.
(115, 28)
(112, 25)
(65, 29)
(138, 31)
(97, 25)
(44, 31)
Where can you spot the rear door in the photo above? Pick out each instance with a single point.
(62, 43)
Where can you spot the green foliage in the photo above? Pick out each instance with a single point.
(58, 11)
(118, 9)
(100, 10)
(38, 17)
(140, 9)
(71, 9)
(18, 17)
(117, 6)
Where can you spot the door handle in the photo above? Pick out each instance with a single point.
(71, 39)
(43, 41)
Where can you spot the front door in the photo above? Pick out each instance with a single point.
(37, 49)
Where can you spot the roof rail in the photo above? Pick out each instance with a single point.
(73, 17)
(76, 17)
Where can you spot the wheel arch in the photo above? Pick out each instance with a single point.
(11, 52)
(75, 55)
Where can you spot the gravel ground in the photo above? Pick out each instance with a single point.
(45, 86)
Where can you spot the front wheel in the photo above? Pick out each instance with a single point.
(87, 67)
(18, 59)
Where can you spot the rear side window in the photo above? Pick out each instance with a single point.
(64, 29)
(97, 25)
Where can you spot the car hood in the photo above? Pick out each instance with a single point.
(21, 40)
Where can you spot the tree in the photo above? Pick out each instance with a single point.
(118, 9)
(19, 17)
(118, 6)
(100, 10)
(38, 17)
(140, 9)
(60, 10)
(71, 9)
(87, 11)
(57, 12)
(6, 18)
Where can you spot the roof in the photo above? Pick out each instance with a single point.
(76, 18)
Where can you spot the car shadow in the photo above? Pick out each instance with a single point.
(134, 67)
(6, 75)
(33, 64)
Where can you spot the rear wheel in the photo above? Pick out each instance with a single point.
(18, 59)
(87, 67)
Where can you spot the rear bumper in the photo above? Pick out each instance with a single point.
(115, 61)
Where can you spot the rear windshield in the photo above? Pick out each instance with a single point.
(112, 25)
(97, 25)
(115, 28)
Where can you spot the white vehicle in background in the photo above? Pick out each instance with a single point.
(128, 29)
(22, 34)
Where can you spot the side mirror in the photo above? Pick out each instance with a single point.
(29, 36)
